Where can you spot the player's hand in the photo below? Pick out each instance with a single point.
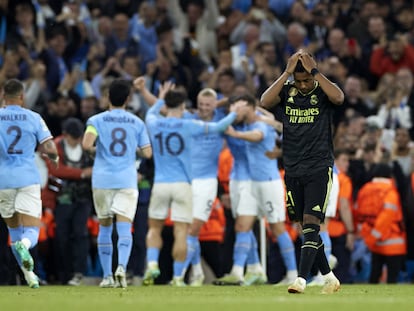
(230, 131)
(164, 88)
(292, 62)
(87, 172)
(139, 84)
(274, 154)
(53, 158)
(307, 61)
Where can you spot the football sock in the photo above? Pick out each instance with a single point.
(105, 249)
(242, 246)
(191, 249)
(321, 259)
(287, 250)
(197, 255)
(178, 268)
(124, 242)
(16, 235)
(253, 255)
(30, 236)
(309, 249)
(326, 242)
(253, 260)
(153, 254)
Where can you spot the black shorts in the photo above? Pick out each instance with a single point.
(308, 194)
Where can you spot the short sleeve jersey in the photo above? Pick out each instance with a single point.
(307, 130)
(20, 131)
(120, 133)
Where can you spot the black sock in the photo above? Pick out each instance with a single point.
(321, 260)
(309, 249)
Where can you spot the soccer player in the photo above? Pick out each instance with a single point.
(307, 105)
(21, 207)
(205, 153)
(268, 193)
(172, 137)
(119, 136)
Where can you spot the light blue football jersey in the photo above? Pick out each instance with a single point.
(172, 140)
(20, 131)
(238, 149)
(120, 133)
(206, 149)
(262, 168)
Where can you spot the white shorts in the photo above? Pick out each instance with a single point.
(333, 197)
(241, 198)
(204, 194)
(110, 202)
(270, 197)
(177, 196)
(24, 200)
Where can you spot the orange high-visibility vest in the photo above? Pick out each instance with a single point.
(336, 227)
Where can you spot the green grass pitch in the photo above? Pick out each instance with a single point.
(212, 298)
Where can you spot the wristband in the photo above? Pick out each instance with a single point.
(314, 71)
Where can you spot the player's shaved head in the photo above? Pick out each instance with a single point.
(13, 88)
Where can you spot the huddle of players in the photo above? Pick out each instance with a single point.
(185, 148)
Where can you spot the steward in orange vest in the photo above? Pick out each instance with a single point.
(380, 223)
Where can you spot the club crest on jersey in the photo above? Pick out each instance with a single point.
(293, 91)
(314, 99)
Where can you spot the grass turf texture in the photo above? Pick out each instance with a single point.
(212, 298)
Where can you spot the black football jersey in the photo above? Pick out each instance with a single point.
(307, 130)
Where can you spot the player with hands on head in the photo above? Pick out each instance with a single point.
(307, 105)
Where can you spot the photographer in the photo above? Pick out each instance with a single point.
(74, 202)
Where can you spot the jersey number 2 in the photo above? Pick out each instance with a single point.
(18, 134)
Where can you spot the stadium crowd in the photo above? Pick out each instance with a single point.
(68, 52)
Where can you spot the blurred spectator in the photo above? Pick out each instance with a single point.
(121, 41)
(199, 21)
(143, 24)
(267, 66)
(401, 150)
(354, 101)
(26, 32)
(394, 112)
(358, 27)
(52, 57)
(297, 38)
(270, 28)
(396, 54)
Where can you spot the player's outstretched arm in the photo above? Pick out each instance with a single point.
(271, 96)
(251, 136)
(334, 93)
(222, 125)
(139, 85)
